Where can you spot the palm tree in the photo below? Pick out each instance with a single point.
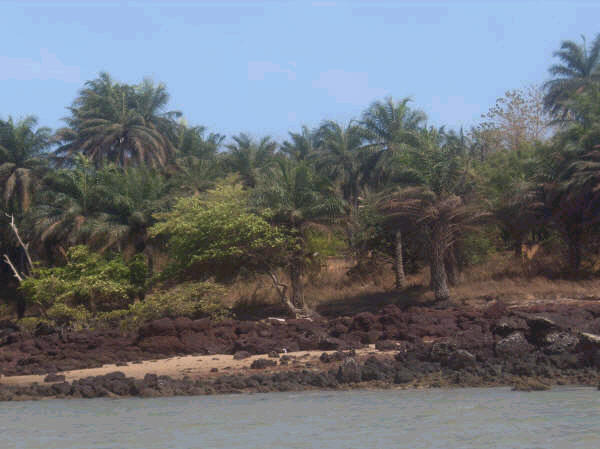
(68, 208)
(342, 158)
(198, 163)
(579, 67)
(436, 203)
(248, 158)
(21, 160)
(120, 123)
(302, 145)
(572, 193)
(390, 128)
(106, 208)
(298, 200)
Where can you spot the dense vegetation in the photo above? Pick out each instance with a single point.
(129, 213)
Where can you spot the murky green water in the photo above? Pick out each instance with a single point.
(446, 419)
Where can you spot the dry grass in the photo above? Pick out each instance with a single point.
(503, 276)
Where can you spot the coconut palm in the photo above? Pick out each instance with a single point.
(436, 204)
(248, 157)
(297, 199)
(579, 67)
(120, 123)
(21, 161)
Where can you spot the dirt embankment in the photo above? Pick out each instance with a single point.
(419, 346)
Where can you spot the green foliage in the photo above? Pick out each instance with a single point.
(475, 248)
(325, 244)
(121, 123)
(87, 283)
(216, 234)
(189, 299)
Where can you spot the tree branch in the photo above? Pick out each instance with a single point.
(25, 246)
(14, 270)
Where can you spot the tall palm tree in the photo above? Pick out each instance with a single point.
(298, 199)
(120, 123)
(107, 208)
(198, 164)
(301, 146)
(69, 208)
(21, 161)
(436, 204)
(391, 127)
(342, 158)
(579, 67)
(248, 157)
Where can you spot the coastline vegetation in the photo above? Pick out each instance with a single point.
(129, 214)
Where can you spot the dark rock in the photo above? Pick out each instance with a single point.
(461, 359)
(349, 371)
(403, 376)
(163, 345)
(560, 342)
(386, 345)
(54, 378)
(515, 345)
(43, 329)
(274, 354)
(63, 389)
(262, 363)
(157, 328)
(375, 369)
(241, 355)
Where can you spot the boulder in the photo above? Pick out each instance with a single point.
(514, 345)
(263, 363)
(460, 359)
(349, 372)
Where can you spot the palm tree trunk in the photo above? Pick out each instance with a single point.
(439, 280)
(451, 266)
(399, 262)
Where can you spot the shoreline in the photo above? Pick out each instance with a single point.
(530, 347)
(367, 368)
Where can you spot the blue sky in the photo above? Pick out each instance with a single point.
(266, 67)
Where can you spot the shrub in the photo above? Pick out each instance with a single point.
(190, 299)
(89, 282)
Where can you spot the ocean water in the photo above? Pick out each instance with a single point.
(565, 418)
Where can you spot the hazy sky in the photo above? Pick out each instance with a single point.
(267, 67)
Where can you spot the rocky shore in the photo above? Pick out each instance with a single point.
(528, 347)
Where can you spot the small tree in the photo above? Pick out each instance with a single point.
(216, 234)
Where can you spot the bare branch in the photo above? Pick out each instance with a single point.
(12, 267)
(24, 245)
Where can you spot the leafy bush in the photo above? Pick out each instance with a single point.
(190, 299)
(216, 235)
(89, 282)
(29, 323)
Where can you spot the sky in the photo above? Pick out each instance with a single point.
(269, 67)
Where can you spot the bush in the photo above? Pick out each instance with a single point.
(29, 323)
(87, 284)
(191, 299)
